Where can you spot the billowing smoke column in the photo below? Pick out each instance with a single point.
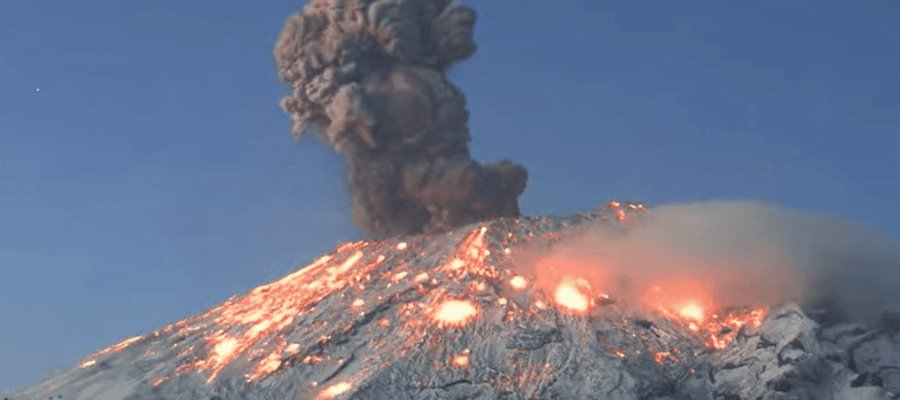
(370, 77)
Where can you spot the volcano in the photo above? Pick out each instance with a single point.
(448, 316)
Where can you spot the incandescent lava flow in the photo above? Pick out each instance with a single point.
(438, 316)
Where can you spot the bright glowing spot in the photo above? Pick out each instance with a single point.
(688, 302)
(223, 350)
(123, 344)
(570, 297)
(455, 312)
(661, 356)
(267, 366)
(335, 390)
(358, 302)
(421, 277)
(517, 282)
(456, 263)
(401, 246)
(348, 263)
(399, 276)
(88, 364)
(461, 360)
(311, 359)
(292, 348)
(692, 311)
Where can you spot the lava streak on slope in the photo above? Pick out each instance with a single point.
(342, 321)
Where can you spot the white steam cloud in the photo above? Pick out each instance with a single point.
(736, 254)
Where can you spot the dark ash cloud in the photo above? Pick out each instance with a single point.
(369, 76)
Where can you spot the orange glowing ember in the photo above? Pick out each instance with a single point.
(692, 311)
(570, 297)
(267, 366)
(455, 312)
(721, 331)
(256, 317)
(160, 381)
(461, 360)
(517, 282)
(335, 390)
(661, 356)
(687, 302)
(112, 349)
(690, 304)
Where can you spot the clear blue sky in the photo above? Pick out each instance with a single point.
(153, 175)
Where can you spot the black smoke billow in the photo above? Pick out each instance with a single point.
(370, 77)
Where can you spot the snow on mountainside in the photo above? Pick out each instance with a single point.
(449, 316)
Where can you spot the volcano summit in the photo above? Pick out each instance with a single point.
(457, 296)
(450, 316)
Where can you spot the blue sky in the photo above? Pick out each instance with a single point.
(153, 175)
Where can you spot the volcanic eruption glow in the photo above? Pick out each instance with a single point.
(112, 349)
(685, 301)
(375, 290)
(518, 282)
(370, 78)
(455, 312)
(461, 360)
(335, 390)
(570, 297)
(692, 311)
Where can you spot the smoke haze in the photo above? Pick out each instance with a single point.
(733, 253)
(369, 76)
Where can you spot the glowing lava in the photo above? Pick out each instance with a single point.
(721, 331)
(687, 302)
(267, 366)
(112, 349)
(404, 299)
(692, 311)
(461, 360)
(517, 282)
(570, 297)
(335, 390)
(690, 304)
(455, 312)
(661, 356)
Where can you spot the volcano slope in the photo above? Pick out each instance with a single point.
(446, 316)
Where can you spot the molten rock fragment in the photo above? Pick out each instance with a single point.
(370, 77)
(344, 327)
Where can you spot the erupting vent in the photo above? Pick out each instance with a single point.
(446, 315)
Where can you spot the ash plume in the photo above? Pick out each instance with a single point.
(735, 253)
(369, 76)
